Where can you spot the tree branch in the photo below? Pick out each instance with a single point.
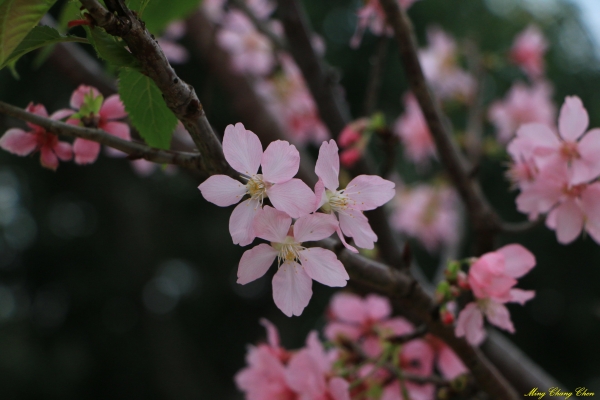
(180, 97)
(135, 150)
(377, 62)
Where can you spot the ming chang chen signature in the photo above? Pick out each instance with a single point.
(558, 392)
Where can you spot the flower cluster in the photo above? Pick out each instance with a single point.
(341, 212)
(557, 172)
(363, 361)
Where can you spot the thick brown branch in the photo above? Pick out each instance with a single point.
(135, 150)
(483, 219)
(180, 97)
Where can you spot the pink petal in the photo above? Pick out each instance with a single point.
(339, 389)
(255, 263)
(573, 119)
(343, 240)
(113, 108)
(222, 190)
(419, 356)
(63, 151)
(303, 376)
(497, 314)
(280, 162)
(521, 296)
(369, 191)
(320, 195)
(328, 165)
(60, 114)
(272, 334)
(314, 227)
(569, 221)
(272, 225)
(118, 129)
(78, 95)
(470, 324)
(356, 225)
(294, 197)
(242, 149)
(48, 159)
(395, 326)
(378, 307)
(333, 330)
(240, 222)
(517, 260)
(18, 142)
(348, 307)
(591, 207)
(589, 150)
(538, 135)
(323, 266)
(86, 151)
(449, 364)
(292, 289)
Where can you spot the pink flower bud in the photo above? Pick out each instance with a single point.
(350, 156)
(349, 136)
(447, 317)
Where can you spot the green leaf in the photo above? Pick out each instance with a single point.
(138, 5)
(159, 13)
(70, 11)
(111, 49)
(17, 18)
(146, 107)
(38, 37)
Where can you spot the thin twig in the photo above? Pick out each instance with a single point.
(135, 150)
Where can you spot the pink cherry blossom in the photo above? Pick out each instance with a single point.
(297, 265)
(93, 112)
(365, 192)
(414, 133)
(441, 68)
(522, 105)
(372, 16)
(428, 213)
(280, 162)
(492, 278)
(22, 143)
(175, 53)
(251, 52)
(528, 51)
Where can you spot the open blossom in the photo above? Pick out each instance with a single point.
(429, 214)
(522, 105)
(365, 192)
(528, 51)
(441, 68)
(175, 53)
(297, 265)
(492, 278)
(22, 143)
(95, 112)
(372, 16)
(413, 131)
(280, 162)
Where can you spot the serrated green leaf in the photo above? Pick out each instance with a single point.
(39, 36)
(17, 19)
(110, 49)
(146, 107)
(158, 13)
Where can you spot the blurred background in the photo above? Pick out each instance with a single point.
(122, 286)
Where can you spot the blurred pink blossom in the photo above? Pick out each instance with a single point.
(414, 134)
(528, 51)
(175, 53)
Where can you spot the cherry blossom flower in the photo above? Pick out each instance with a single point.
(22, 143)
(95, 112)
(372, 16)
(428, 213)
(175, 53)
(441, 69)
(492, 278)
(280, 162)
(528, 51)
(298, 265)
(414, 133)
(365, 192)
(522, 105)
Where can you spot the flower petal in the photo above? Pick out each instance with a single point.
(517, 260)
(589, 150)
(334, 330)
(343, 240)
(63, 151)
(18, 142)
(339, 389)
(497, 314)
(591, 207)
(328, 165)
(470, 324)
(86, 151)
(113, 108)
(222, 190)
(255, 263)
(272, 333)
(320, 195)
(280, 162)
(272, 225)
(118, 129)
(356, 225)
(240, 222)
(294, 197)
(521, 296)
(48, 159)
(378, 307)
(573, 119)
(314, 227)
(292, 289)
(449, 364)
(242, 149)
(60, 114)
(569, 221)
(323, 266)
(369, 191)
(348, 307)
